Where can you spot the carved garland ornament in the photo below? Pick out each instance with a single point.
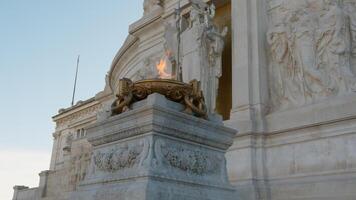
(195, 162)
(118, 158)
(190, 95)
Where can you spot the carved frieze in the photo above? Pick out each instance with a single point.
(118, 158)
(78, 166)
(312, 48)
(82, 114)
(188, 159)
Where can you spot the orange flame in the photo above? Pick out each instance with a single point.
(162, 69)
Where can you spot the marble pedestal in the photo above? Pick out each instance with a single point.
(157, 152)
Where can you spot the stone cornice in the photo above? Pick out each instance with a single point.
(162, 123)
(78, 114)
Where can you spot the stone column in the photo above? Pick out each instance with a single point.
(157, 152)
(250, 98)
(56, 136)
(17, 189)
(249, 65)
(43, 183)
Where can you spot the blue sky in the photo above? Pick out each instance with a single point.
(39, 44)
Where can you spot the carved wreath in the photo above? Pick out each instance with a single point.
(118, 158)
(197, 162)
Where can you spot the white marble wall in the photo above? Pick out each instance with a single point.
(293, 143)
(311, 46)
(26, 194)
(293, 95)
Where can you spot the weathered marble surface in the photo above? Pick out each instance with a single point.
(157, 152)
(150, 5)
(288, 148)
(313, 50)
(25, 193)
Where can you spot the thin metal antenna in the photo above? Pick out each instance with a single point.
(75, 80)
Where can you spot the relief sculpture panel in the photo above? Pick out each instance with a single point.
(312, 48)
(186, 159)
(118, 157)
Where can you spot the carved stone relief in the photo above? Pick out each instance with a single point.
(80, 115)
(201, 45)
(79, 164)
(312, 50)
(193, 161)
(68, 142)
(118, 157)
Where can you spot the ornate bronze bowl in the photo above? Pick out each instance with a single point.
(190, 95)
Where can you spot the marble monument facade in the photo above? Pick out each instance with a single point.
(287, 84)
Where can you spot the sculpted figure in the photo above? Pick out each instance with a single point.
(303, 25)
(202, 46)
(287, 87)
(349, 7)
(216, 47)
(312, 51)
(334, 48)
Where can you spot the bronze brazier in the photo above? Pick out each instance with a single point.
(190, 95)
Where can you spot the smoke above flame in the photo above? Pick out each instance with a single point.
(162, 68)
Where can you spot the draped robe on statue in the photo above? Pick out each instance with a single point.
(202, 46)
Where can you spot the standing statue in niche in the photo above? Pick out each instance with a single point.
(202, 44)
(312, 49)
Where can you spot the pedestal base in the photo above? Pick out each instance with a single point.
(156, 152)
